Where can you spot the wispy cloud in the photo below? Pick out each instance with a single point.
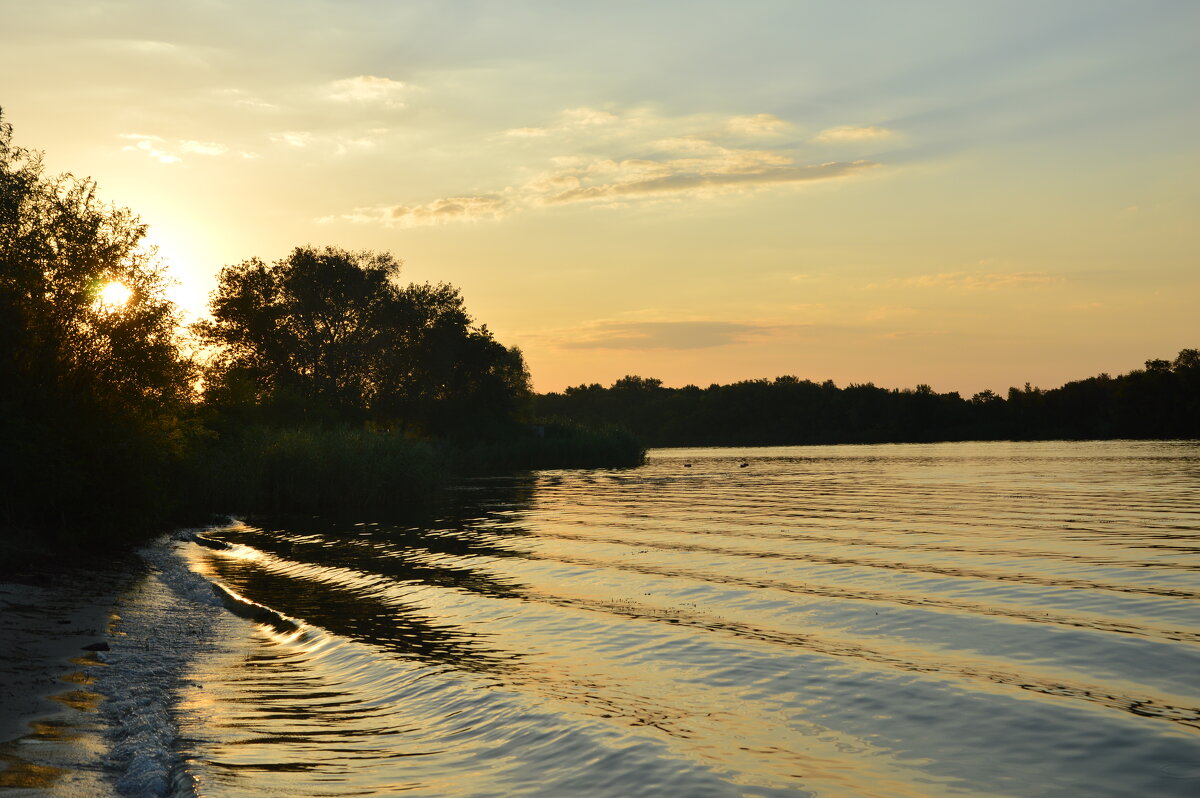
(757, 125)
(637, 335)
(203, 147)
(609, 182)
(293, 138)
(634, 156)
(243, 98)
(897, 335)
(151, 146)
(853, 133)
(369, 90)
(159, 51)
(439, 211)
(640, 179)
(168, 152)
(333, 143)
(977, 281)
(572, 119)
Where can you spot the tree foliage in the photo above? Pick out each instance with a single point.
(323, 370)
(330, 336)
(83, 384)
(1163, 401)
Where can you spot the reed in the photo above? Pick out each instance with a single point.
(556, 445)
(263, 470)
(277, 471)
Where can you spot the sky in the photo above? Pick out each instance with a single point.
(970, 195)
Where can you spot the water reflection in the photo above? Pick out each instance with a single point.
(366, 610)
(890, 620)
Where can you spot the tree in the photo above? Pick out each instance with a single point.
(92, 381)
(329, 336)
(300, 333)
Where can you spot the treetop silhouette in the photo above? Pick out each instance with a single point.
(330, 336)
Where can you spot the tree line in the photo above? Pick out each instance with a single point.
(322, 383)
(1161, 400)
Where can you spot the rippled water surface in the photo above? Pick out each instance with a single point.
(955, 619)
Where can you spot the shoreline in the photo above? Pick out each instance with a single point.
(49, 612)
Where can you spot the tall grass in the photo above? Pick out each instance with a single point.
(554, 445)
(274, 471)
(263, 470)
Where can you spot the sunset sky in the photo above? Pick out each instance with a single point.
(967, 194)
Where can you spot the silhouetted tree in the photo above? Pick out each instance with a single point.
(91, 393)
(329, 336)
(1161, 401)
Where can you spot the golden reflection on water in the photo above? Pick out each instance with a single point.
(79, 677)
(19, 773)
(911, 620)
(82, 700)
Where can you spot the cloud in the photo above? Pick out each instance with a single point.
(159, 149)
(293, 138)
(606, 158)
(976, 281)
(369, 90)
(691, 160)
(528, 132)
(618, 181)
(151, 146)
(146, 46)
(852, 133)
(587, 117)
(757, 125)
(439, 211)
(662, 335)
(897, 335)
(643, 122)
(202, 147)
(569, 120)
(335, 143)
(156, 50)
(244, 98)
(680, 179)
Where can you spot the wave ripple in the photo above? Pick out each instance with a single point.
(969, 619)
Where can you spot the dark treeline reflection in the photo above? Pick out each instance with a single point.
(1160, 401)
(320, 384)
(352, 578)
(365, 613)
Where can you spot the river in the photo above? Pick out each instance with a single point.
(982, 619)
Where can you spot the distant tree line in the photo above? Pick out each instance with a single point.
(1160, 401)
(322, 383)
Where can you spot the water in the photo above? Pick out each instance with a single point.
(999, 619)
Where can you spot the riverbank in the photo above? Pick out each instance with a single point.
(50, 610)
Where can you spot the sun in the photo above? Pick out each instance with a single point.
(113, 296)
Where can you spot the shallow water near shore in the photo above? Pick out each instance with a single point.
(1014, 619)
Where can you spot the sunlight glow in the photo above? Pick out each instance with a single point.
(113, 296)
